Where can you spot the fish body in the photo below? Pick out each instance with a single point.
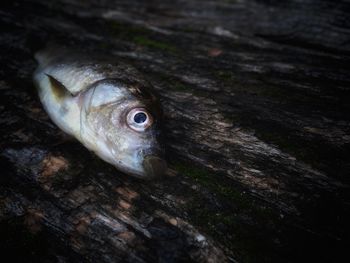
(106, 105)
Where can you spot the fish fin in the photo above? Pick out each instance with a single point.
(58, 89)
(49, 53)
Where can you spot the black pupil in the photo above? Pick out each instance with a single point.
(140, 117)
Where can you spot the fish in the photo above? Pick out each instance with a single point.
(105, 104)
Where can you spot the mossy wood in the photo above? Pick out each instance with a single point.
(256, 102)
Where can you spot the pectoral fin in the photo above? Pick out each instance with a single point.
(59, 91)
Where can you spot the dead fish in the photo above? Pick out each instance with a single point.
(106, 105)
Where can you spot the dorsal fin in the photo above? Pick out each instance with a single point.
(58, 89)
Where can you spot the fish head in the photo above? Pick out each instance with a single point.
(120, 122)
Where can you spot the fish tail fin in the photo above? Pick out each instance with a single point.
(44, 56)
(40, 57)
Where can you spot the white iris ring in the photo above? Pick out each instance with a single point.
(138, 126)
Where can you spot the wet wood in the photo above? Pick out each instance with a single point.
(257, 131)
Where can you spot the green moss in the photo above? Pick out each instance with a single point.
(223, 188)
(179, 86)
(140, 36)
(127, 31)
(241, 224)
(212, 182)
(226, 76)
(104, 45)
(250, 242)
(203, 216)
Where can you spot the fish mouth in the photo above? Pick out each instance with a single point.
(154, 166)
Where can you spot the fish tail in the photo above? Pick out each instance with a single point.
(44, 56)
(39, 56)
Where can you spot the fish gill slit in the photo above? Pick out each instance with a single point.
(59, 91)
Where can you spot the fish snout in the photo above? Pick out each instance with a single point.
(154, 166)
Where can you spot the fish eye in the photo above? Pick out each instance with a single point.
(139, 119)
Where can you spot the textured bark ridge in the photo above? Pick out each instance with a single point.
(256, 102)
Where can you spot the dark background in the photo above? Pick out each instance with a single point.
(256, 102)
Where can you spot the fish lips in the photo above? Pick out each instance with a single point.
(154, 166)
